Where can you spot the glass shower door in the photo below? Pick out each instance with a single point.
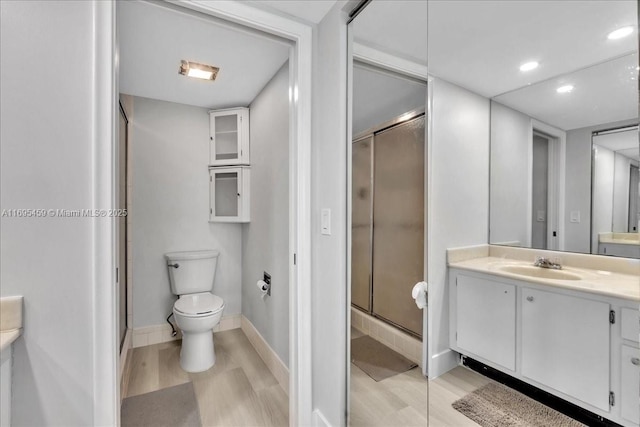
(398, 229)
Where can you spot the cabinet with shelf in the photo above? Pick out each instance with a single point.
(229, 137)
(229, 198)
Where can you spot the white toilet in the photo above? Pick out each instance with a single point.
(197, 311)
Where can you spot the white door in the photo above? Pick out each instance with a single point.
(565, 344)
(629, 385)
(486, 320)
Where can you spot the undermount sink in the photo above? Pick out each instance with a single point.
(538, 272)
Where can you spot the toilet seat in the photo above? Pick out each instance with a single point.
(199, 305)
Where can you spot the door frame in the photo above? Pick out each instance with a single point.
(105, 96)
(556, 179)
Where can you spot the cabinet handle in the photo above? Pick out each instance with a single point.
(635, 361)
(530, 298)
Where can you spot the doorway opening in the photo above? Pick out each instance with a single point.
(292, 309)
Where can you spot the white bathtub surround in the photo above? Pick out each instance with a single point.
(149, 335)
(403, 343)
(267, 354)
(612, 276)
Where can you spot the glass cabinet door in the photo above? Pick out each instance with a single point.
(226, 137)
(226, 194)
(229, 194)
(229, 137)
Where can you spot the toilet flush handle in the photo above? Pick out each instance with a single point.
(176, 265)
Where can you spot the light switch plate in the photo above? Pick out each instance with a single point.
(575, 216)
(540, 216)
(325, 222)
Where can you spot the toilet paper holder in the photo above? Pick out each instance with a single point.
(265, 284)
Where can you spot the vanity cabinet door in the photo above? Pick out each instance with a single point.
(630, 384)
(486, 320)
(565, 344)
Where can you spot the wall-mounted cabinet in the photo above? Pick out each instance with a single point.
(229, 198)
(229, 137)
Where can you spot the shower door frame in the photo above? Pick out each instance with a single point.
(371, 133)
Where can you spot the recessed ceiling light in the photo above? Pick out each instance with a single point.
(198, 71)
(565, 89)
(620, 33)
(529, 66)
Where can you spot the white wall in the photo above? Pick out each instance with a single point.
(328, 187)
(578, 185)
(458, 206)
(510, 176)
(47, 138)
(170, 207)
(265, 240)
(380, 96)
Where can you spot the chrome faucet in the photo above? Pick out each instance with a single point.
(547, 263)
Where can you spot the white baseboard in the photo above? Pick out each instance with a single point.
(408, 346)
(156, 334)
(270, 358)
(319, 420)
(442, 363)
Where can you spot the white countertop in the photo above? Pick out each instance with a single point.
(609, 283)
(8, 337)
(10, 320)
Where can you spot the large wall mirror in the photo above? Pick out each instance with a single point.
(388, 181)
(528, 137)
(564, 137)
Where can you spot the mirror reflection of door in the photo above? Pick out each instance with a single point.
(387, 384)
(539, 191)
(634, 206)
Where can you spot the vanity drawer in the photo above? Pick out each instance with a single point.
(630, 324)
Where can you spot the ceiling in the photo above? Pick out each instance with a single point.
(480, 45)
(307, 10)
(154, 38)
(398, 27)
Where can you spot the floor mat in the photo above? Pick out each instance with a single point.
(171, 407)
(377, 360)
(496, 405)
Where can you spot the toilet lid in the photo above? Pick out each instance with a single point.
(199, 304)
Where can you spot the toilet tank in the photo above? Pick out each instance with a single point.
(191, 272)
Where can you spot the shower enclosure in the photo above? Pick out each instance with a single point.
(388, 220)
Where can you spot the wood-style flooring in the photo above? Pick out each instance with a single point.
(239, 390)
(408, 399)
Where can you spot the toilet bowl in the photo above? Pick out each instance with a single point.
(197, 311)
(196, 316)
